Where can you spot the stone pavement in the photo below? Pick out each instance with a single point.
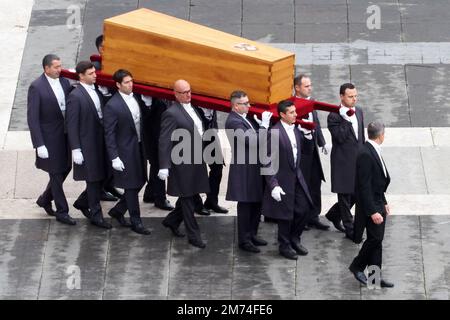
(38, 256)
(401, 74)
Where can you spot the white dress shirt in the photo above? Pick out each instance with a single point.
(94, 96)
(194, 116)
(133, 106)
(59, 93)
(377, 148)
(354, 121)
(291, 134)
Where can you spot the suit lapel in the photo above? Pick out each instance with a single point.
(285, 140)
(299, 146)
(359, 121)
(187, 117)
(51, 93)
(90, 102)
(128, 112)
(377, 158)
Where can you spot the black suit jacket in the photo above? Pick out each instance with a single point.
(344, 151)
(245, 183)
(189, 177)
(47, 125)
(287, 176)
(152, 129)
(371, 184)
(311, 163)
(85, 131)
(121, 140)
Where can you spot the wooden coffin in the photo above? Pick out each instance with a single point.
(159, 49)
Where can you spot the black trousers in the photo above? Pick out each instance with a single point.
(55, 192)
(155, 188)
(248, 217)
(291, 230)
(130, 202)
(184, 212)
(215, 177)
(314, 182)
(90, 199)
(371, 250)
(341, 210)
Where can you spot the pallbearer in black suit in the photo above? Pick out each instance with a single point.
(310, 164)
(245, 182)
(187, 175)
(45, 115)
(286, 196)
(123, 136)
(87, 141)
(372, 180)
(347, 134)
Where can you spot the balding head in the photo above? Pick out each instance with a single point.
(182, 91)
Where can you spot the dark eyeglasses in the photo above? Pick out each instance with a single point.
(183, 92)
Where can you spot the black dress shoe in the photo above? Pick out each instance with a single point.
(202, 212)
(114, 192)
(318, 225)
(66, 219)
(175, 231)
(249, 247)
(197, 243)
(139, 228)
(107, 196)
(119, 217)
(350, 235)
(101, 223)
(299, 249)
(84, 211)
(359, 275)
(164, 205)
(386, 284)
(259, 242)
(48, 208)
(215, 207)
(289, 254)
(336, 223)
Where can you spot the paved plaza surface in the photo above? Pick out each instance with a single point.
(37, 257)
(401, 71)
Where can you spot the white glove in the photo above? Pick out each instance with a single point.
(163, 174)
(147, 100)
(117, 164)
(266, 115)
(42, 152)
(104, 91)
(277, 192)
(326, 149)
(77, 156)
(343, 112)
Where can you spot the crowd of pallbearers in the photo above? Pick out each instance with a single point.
(111, 134)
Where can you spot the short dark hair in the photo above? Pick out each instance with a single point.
(99, 41)
(344, 87)
(298, 79)
(237, 94)
(83, 66)
(375, 129)
(283, 105)
(120, 74)
(48, 60)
